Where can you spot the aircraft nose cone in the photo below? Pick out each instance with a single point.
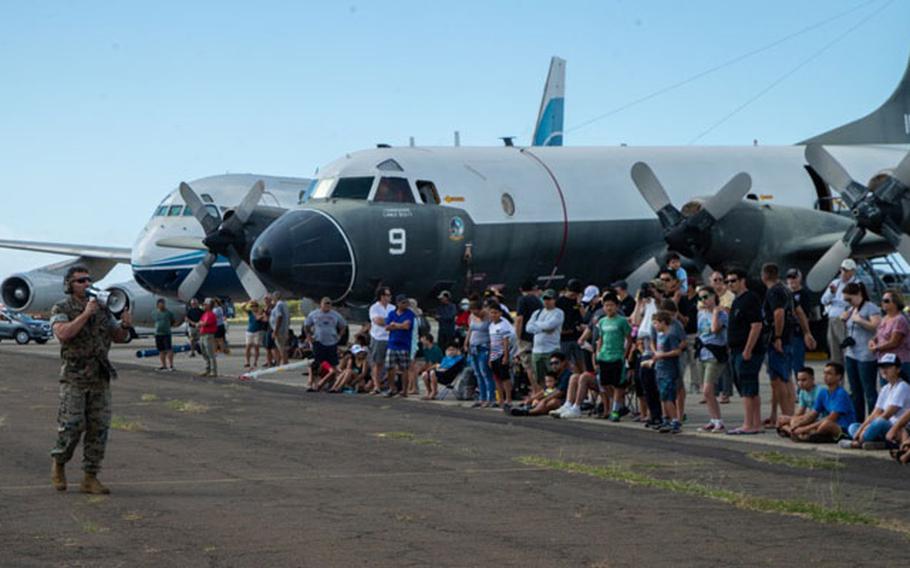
(305, 252)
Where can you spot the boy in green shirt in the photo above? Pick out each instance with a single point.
(613, 332)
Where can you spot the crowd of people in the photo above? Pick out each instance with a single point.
(608, 353)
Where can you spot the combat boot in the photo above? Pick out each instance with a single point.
(58, 475)
(90, 484)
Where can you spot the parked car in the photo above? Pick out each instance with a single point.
(23, 328)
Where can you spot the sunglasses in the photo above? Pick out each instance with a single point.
(705, 297)
(554, 363)
(732, 280)
(82, 280)
(717, 279)
(886, 300)
(665, 280)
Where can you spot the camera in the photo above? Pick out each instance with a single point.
(848, 342)
(646, 291)
(113, 301)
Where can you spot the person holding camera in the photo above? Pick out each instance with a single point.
(85, 329)
(861, 320)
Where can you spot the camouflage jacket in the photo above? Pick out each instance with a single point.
(84, 357)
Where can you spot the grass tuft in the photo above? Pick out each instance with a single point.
(407, 437)
(2, 421)
(794, 507)
(121, 423)
(187, 406)
(149, 397)
(799, 462)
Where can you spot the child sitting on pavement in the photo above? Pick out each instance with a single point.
(893, 402)
(353, 370)
(532, 401)
(444, 372)
(833, 412)
(806, 396)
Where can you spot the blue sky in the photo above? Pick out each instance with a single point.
(106, 106)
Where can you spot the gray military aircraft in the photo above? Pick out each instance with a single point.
(425, 219)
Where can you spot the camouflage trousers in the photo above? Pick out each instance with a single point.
(83, 410)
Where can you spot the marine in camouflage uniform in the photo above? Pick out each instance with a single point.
(85, 393)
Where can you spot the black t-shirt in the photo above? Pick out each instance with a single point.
(573, 318)
(627, 306)
(777, 297)
(527, 305)
(445, 315)
(800, 299)
(745, 311)
(194, 314)
(688, 308)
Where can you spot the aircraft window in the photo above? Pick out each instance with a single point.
(508, 204)
(187, 212)
(213, 211)
(427, 191)
(390, 165)
(207, 198)
(161, 212)
(175, 211)
(321, 191)
(394, 190)
(353, 188)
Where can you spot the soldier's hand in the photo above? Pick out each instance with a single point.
(126, 318)
(91, 307)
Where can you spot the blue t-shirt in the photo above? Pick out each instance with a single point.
(807, 398)
(449, 362)
(253, 325)
(668, 342)
(400, 339)
(563, 381)
(705, 320)
(839, 402)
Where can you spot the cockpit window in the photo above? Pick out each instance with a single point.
(187, 212)
(161, 212)
(213, 211)
(353, 188)
(390, 165)
(394, 190)
(427, 191)
(175, 211)
(321, 191)
(207, 198)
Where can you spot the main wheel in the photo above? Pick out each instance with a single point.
(22, 337)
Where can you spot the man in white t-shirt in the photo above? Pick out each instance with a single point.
(379, 336)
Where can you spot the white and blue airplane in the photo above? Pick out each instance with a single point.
(185, 251)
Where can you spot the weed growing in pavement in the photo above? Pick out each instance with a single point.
(121, 423)
(149, 397)
(408, 437)
(800, 462)
(2, 421)
(187, 406)
(795, 507)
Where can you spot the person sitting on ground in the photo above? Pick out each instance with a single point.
(667, 349)
(899, 436)
(550, 388)
(352, 371)
(559, 367)
(893, 402)
(320, 376)
(443, 373)
(833, 411)
(805, 401)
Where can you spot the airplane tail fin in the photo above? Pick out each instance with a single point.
(888, 124)
(548, 130)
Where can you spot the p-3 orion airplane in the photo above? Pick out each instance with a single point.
(425, 219)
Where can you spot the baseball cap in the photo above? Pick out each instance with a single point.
(574, 285)
(794, 273)
(357, 349)
(622, 284)
(848, 264)
(401, 298)
(590, 292)
(549, 294)
(444, 294)
(889, 360)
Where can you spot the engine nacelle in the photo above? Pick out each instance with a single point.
(34, 292)
(141, 303)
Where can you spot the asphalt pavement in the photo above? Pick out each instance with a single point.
(229, 473)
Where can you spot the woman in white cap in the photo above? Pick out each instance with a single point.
(892, 403)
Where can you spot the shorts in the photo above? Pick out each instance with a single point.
(378, 350)
(398, 359)
(500, 370)
(712, 371)
(573, 352)
(268, 340)
(745, 373)
(163, 343)
(253, 338)
(779, 363)
(541, 365)
(446, 377)
(220, 332)
(281, 342)
(667, 385)
(325, 353)
(611, 374)
(524, 354)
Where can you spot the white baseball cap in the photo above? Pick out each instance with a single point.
(590, 292)
(357, 349)
(848, 264)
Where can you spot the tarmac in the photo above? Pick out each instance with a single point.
(221, 472)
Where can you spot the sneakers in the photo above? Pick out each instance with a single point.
(614, 416)
(161, 369)
(665, 428)
(571, 412)
(518, 411)
(675, 427)
(556, 413)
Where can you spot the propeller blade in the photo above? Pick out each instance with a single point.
(828, 265)
(250, 200)
(834, 174)
(194, 280)
(208, 221)
(187, 243)
(644, 273)
(654, 193)
(902, 171)
(254, 287)
(729, 195)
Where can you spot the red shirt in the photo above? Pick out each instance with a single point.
(208, 323)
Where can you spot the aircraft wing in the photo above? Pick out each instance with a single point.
(114, 254)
